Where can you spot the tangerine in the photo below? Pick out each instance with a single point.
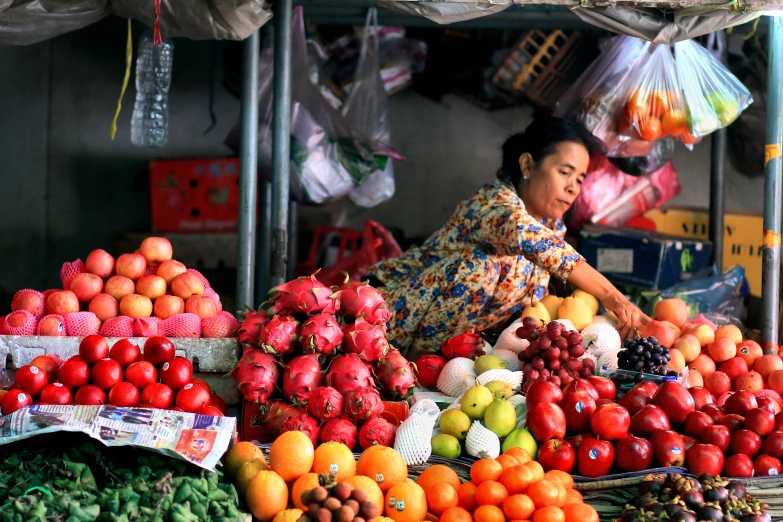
(536, 468)
(574, 497)
(440, 497)
(674, 123)
(545, 493)
(650, 128)
(549, 514)
(517, 479)
(580, 513)
(406, 502)
(291, 455)
(456, 514)
(247, 473)
(267, 494)
(288, 515)
(489, 514)
(659, 104)
(466, 493)
(438, 473)
(507, 461)
(486, 469)
(384, 465)
(240, 454)
(518, 507)
(688, 139)
(304, 483)
(491, 492)
(521, 455)
(334, 458)
(561, 476)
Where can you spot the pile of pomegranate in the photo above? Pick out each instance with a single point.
(316, 359)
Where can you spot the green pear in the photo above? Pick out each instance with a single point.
(501, 389)
(445, 445)
(500, 417)
(489, 362)
(521, 438)
(475, 401)
(455, 422)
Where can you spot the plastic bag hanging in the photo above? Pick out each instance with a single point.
(150, 119)
(714, 96)
(367, 110)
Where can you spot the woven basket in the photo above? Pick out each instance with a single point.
(767, 490)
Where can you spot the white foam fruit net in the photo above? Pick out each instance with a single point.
(71, 270)
(23, 320)
(601, 338)
(600, 319)
(457, 376)
(414, 436)
(82, 324)
(481, 442)
(121, 326)
(508, 340)
(566, 323)
(182, 325)
(608, 359)
(16, 303)
(511, 359)
(513, 378)
(148, 327)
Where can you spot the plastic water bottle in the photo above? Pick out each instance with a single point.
(150, 120)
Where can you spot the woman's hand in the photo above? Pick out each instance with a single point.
(629, 317)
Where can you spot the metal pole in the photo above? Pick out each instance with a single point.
(773, 191)
(293, 221)
(264, 239)
(281, 142)
(718, 177)
(248, 173)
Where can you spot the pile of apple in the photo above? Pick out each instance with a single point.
(143, 294)
(122, 376)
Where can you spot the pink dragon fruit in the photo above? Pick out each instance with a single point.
(396, 375)
(272, 415)
(377, 432)
(325, 403)
(304, 423)
(428, 368)
(363, 404)
(365, 340)
(362, 300)
(250, 329)
(256, 375)
(321, 334)
(304, 295)
(339, 430)
(278, 335)
(301, 377)
(348, 372)
(467, 345)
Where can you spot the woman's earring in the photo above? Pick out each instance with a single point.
(526, 176)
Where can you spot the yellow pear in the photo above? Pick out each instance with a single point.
(537, 311)
(552, 303)
(576, 311)
(589, 300)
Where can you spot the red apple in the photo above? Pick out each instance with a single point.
(734, 367)
(714, 411)
(605, 387)
(779, 421)
(696, 422)
(745, 441)
(704, 458)
(633, 453)
(773, 444)
(767, 466)
(581, 385)
(546, 421)
(650, 386)
(635, 400)
(760, 421)
(578, 408)
(576, 440)
(719, 436)
(594, 457)
(717, 383)
(738, 466)
(675, 401)
(543, 391)
(701, 397)
(557, 454)
(769, 404)
(732, 421)
(741, 403)
(610, 422)
(668, 447)
(649, 420)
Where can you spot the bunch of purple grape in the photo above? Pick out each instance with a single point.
(553, 354)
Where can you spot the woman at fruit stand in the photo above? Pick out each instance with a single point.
(497, 253)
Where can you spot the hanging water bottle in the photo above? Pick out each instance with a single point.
(150, 120)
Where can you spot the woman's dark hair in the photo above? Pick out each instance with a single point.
(539, 140)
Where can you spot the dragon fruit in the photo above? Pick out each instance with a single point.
(272, 415)
(362, 300)
(363, 404)
(301, 377)
(377, 432)
(339, 430)
(278, 335)
(256, 375)
(365, 340)
(348, 372)
(325, 403)
(428, 368)
(467, 345)
(321, 334)
(396, 375)
(250, 329)
(304, 295)
(304, 423)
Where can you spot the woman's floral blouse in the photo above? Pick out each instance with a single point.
(486, 264)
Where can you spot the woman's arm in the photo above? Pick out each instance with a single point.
(587, 278)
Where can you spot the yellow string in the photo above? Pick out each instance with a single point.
(128, 59)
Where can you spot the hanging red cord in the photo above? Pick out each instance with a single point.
(156, 38)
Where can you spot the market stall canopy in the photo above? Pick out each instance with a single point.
(24, 22)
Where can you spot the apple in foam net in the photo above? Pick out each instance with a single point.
(62, 303)
(186, 285)
(131, 266)
(100, 263)
(104, 307)
(151, 286)
(168, 305)
(135, 306)
(632, 453)
(119, 286)
(156, 250)
(201, 306)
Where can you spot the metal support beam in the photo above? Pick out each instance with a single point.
(264, 239)
(718, 175)
(293, 230)
(248, 173)
(773, 191)
(281, 142)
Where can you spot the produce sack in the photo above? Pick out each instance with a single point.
(443, 12)
(714, 96)
(367, 110)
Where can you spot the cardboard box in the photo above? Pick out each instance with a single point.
(742, 236)
(642, 259)
(195, 195)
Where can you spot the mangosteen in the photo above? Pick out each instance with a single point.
(723, 494)
(694, 484)
(754, 518)
(706, 478)
(656, 508)
(737, 489)
(673, 508)
(710, 514)
(693, 498)
(630, 515)
(711, 495)
(683, 516)
(651, 486)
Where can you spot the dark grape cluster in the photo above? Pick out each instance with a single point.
(553, 354)
(644, 355)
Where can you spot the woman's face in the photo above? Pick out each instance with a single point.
(554, 183)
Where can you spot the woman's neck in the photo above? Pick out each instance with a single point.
(521, 193)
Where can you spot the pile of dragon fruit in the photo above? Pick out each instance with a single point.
(317, 360)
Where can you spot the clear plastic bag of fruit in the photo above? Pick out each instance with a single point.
(714, 96)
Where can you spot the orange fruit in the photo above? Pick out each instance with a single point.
(240, 454)
(489, 514)
(561, 476)
(650, 128)
(267, 494)
(549, 514)
(536, 468)
(456, 514)
(438, 473)
(573, 497)
(545, 493)
(304, 483)
(370, 487)
(507, 461)
(288, 515)
(659, 104)
(384, 465)
(405, 502)
(750, 351)
(521, 455)
(485, 469)
(246, 474)
(580, 513)
(674, 123)
(440, 497)
(466, 493)
(517, 479)
(518, 507)
(688, 139)
(291, 455)
(491, 492)
(336, 458)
